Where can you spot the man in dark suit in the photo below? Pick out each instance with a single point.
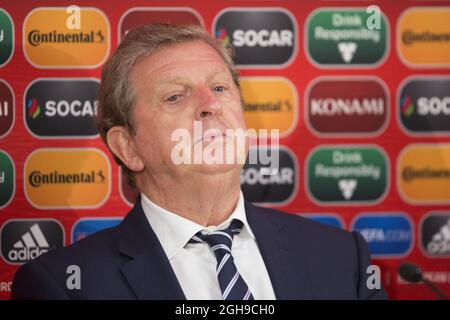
(191, 234)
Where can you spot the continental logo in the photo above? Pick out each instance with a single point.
(270, 103)
(67, 178)
(136, 17)
(424, 173)
(55, 45)
(346, 37)
(423, 105)
(343, 106)
(37, 178)
(423, 36)
(260, 37)
(55, 108)
(346, 174)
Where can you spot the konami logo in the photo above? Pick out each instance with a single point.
(347, 106)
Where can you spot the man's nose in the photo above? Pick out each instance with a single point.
(207, 103)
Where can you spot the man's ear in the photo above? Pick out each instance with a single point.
(119, 141)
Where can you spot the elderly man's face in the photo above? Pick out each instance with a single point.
(176, 86)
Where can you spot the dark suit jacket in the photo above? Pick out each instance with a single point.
(304, 259)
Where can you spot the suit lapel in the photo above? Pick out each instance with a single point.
(151, 276)
(287, 271)
(148, 272)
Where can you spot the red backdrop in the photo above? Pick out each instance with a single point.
(301, 140)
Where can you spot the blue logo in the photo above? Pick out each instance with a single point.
(327, 219)
(85, 227)
(388, 233)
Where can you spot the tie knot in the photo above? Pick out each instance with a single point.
(220, 240)
(231, 283)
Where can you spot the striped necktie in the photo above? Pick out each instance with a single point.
(231, 283)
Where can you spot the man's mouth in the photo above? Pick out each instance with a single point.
(211, 135)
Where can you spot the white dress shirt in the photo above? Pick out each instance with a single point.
(195, 264)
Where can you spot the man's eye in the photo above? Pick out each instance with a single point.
(219, 89)
(173, 98)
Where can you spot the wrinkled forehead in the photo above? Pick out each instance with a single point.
(180, 60)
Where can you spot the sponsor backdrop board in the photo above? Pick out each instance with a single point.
(359, 90)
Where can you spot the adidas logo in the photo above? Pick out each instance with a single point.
(32, 245)
(440, 242)
(347, 187)
(347, 50)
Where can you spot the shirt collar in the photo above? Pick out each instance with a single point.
(174, 231)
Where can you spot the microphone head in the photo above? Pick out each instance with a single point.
(410, 272)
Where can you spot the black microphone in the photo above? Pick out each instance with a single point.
(412, 273)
